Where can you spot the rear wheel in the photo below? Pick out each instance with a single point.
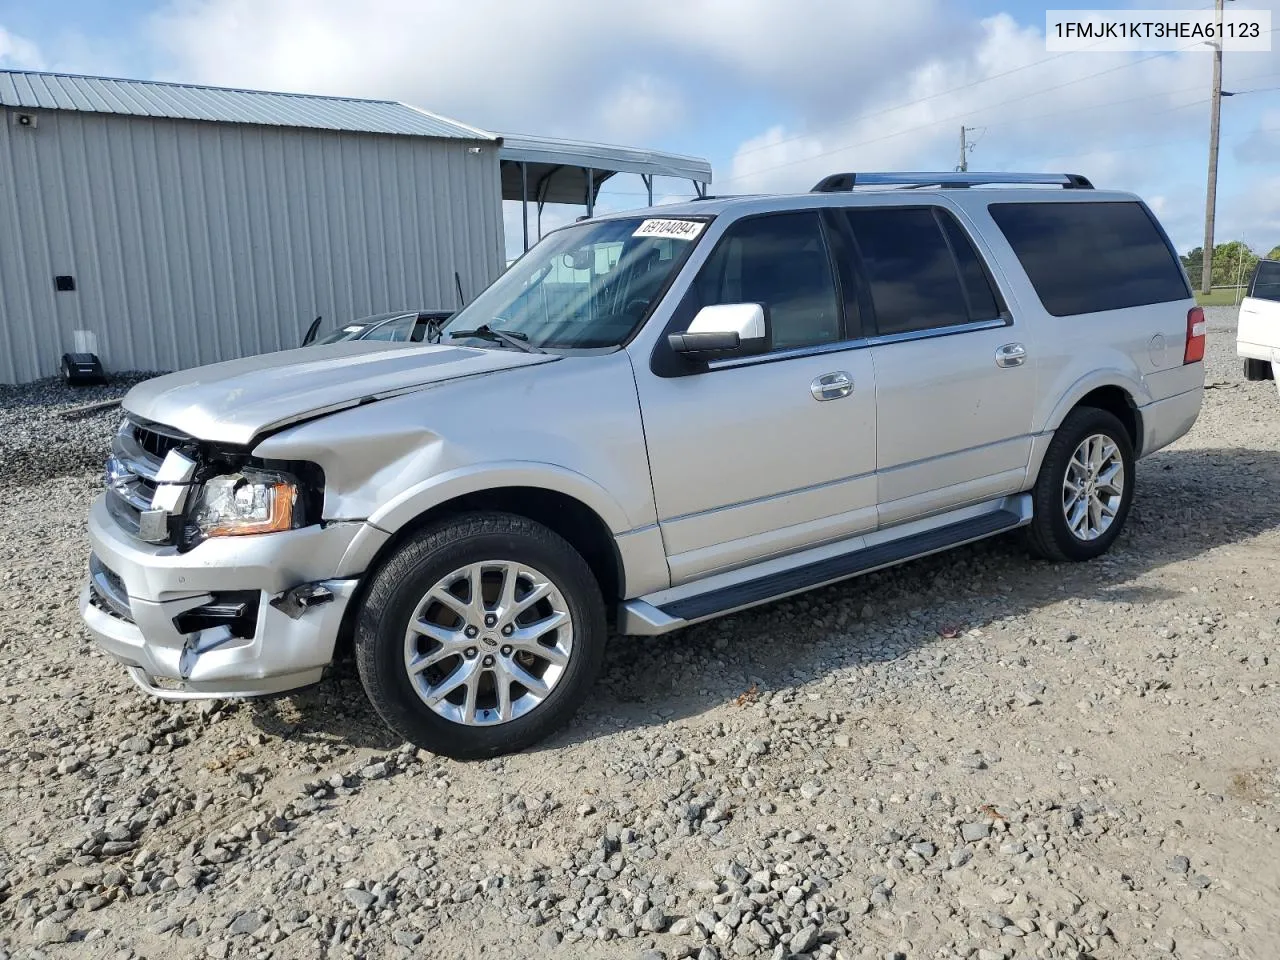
(1258, 369)
(1085, 487)
(480, 636)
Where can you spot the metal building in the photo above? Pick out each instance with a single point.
(167, 225)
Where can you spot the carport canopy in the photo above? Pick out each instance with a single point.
(543, 170)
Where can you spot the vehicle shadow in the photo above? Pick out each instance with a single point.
(1187, 502)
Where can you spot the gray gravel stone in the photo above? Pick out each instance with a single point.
(360, 899)
(804, 940)
(50, 931)
(245, 923)
(654, 920)
(815, 750)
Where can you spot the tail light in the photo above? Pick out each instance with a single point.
(1194, 351)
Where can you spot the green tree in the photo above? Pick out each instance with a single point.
(1274, 254)
(1193, 261)
(1232, 263)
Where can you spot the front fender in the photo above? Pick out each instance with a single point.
(421, 497)
(433, 491)
(643, 561)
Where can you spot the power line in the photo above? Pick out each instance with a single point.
(931, 123)
(1112, 103)
(958, 116)
(1158, 143)
(1018, 120)
(910, 103)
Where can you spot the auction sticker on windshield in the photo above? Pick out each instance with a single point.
(675, 229)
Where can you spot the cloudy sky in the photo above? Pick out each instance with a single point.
(776, 93)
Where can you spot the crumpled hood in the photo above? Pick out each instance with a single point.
(234, 402)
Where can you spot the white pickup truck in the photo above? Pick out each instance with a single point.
(1258, 333)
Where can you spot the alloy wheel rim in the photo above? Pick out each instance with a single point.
(1093, 487)
(488, 643)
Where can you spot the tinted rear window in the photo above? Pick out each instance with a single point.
(1265, 284)
(1089, 257)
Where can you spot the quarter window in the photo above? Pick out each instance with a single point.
(921, 269)
(781, 262)
(1090, 256)
(983, 304)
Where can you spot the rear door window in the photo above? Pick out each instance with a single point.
(1265, 284)
(1087, 257)
(921, 269)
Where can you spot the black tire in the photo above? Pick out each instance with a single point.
(1048, 535)
(405, 578)
(1258, 369)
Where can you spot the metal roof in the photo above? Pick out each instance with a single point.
(602, 157)
(186, 101)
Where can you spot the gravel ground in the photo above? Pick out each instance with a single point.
(40, 437)
(975, 755)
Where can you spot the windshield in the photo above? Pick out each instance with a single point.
(359, 328)
(342, 333)
(588, 285)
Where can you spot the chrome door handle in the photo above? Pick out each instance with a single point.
(831, 386)
(1011, 355)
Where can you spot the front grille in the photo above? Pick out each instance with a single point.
(156, 441)
(137, 452)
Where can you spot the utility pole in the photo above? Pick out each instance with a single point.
(964, 147)
(1215, 116)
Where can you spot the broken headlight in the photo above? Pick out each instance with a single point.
(246, 502)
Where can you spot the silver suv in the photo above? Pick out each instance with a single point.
(649, 420)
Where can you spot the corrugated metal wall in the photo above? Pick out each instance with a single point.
(194, 242)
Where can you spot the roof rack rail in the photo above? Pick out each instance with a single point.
(840, 182)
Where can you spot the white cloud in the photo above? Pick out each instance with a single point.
(804, 88)
(641, 108)
(569, 70)
(19, 53)
(1033, 113)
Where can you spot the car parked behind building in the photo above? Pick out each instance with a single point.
(650, 420)
(400, 326)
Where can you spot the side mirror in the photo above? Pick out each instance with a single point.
(736, 329)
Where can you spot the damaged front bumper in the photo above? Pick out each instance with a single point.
(233, 617)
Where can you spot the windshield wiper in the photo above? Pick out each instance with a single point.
(510, 338)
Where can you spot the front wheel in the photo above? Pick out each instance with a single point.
(1084, 489)
(480, 636)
